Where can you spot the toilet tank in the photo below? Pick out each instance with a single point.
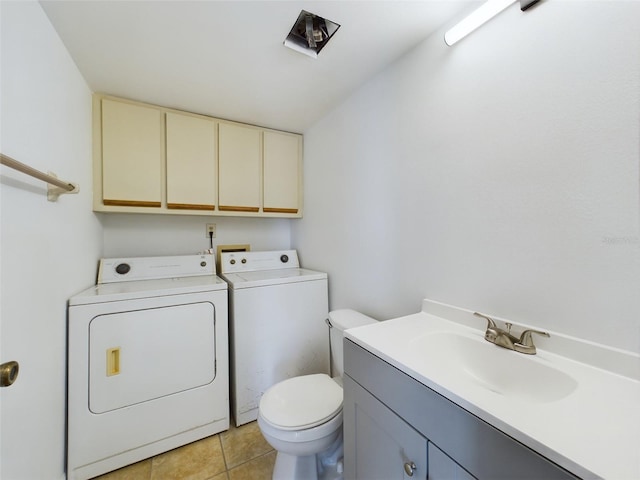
(341, 320)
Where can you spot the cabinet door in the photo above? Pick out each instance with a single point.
(379, 445)
(282, 172)
(240, 160)
(441, 467)
(191, 162)
(131, 154)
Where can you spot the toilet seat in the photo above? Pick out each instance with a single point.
(301, 402)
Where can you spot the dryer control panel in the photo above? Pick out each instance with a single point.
(150, 268)
(234, 262)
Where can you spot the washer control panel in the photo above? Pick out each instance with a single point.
(112, 270)
(234, 262)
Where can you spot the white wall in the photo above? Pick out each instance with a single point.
(149, 235)
(499, 175)
(48, 250)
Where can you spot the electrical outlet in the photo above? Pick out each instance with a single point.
(211, 228)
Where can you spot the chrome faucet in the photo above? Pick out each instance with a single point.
(504, 338)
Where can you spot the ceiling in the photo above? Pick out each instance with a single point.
(226, 58)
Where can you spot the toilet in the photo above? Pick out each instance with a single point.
(301, 417)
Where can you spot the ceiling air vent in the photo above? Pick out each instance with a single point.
(310, 34)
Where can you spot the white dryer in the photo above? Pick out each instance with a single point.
(147, 361)
(277, 314)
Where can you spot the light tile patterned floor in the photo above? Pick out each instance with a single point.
(237, 454)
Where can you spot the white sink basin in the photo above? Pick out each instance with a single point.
(502, 371)
(574, 402)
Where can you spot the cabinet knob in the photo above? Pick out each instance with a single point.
(409, 468)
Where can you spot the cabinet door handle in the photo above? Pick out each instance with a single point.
(409, 468)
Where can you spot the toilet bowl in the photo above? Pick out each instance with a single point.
(301, 417)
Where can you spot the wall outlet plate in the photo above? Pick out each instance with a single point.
(211, 228)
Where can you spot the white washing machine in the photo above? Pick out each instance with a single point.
(277, 314)
(147, 361)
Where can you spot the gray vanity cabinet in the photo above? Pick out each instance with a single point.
(392, 422)
(441, 467)
(385, 447)
(382, 445)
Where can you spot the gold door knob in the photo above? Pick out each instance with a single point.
(8, 373)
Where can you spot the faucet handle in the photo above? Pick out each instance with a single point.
(527, 341)
(490, 322)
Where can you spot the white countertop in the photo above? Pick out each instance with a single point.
(593, 432)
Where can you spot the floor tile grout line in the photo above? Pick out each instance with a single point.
(251, 460)
(238, 432)
(224, 456)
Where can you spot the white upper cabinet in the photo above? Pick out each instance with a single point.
(131, 154)
(282, 172)
(240, 158)
(151, 159)
(191, 162)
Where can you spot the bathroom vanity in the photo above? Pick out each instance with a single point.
(395, 424)
(417, 404)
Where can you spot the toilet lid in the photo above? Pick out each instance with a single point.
(301, 402)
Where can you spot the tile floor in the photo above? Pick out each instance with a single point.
(237, 454)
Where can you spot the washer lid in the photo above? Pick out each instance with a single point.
(301, 402)
(261, 278)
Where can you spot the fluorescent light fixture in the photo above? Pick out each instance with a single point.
(485, 12)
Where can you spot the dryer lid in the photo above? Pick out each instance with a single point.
(301, 402)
